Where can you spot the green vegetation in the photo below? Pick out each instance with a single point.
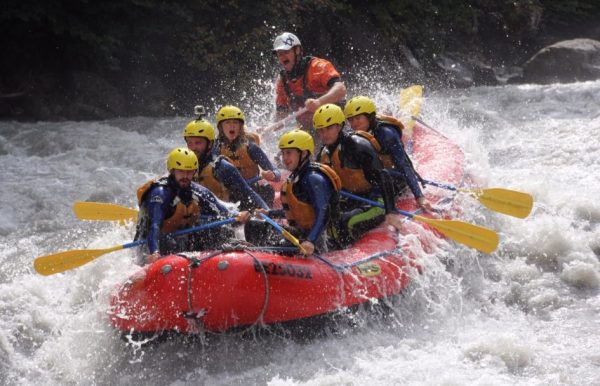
(191, 49)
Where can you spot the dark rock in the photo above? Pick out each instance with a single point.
(457, 72)
(462, 70)
(564, 62)
(484, 74)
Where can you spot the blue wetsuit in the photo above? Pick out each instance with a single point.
(312, 187)
(229, 176)
(157, 204)
(391, 144)
(260, 158)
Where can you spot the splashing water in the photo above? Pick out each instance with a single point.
(527, 314)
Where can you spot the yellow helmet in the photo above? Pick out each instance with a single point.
(182, 158)
(230, 112)
(359, 105)
(199, 128)
(328, 115)
(297, 139)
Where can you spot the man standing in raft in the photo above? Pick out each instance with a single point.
(386, 134)
(174, 202)
(356, 161)
(309, 197)
(242, 150)
(304, 81)
(215, 172)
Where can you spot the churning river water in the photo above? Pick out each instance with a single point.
(528, 314)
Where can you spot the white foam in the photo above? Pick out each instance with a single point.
(508, 348)
(526, 314)
(581, 275)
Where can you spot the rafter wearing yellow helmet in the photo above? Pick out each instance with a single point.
(309, 197)
(174, 202)
(387, 138)
(244, 152)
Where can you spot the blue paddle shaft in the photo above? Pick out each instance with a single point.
(427, 182)
(184, 231)
(254, 179)
(272, 222)
(374, 203)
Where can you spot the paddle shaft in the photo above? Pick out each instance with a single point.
(284, 232)
(439, 185)
(374, 203)
(505, 201)
(281, 123)
(474, 236)
(64, 261)
(100, 211)
(183, 231)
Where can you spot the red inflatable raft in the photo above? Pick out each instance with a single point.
(221, 290)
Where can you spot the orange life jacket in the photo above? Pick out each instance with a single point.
(240, 158)
(299, 213)
(206, 178)
(184, 216)
(392, 121)
(353, 180)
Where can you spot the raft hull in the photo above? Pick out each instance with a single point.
(240, 288)
(219, 291)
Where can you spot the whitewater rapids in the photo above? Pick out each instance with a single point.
(529, 314)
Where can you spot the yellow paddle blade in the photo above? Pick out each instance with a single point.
(85, 210)
(510, 202)
(292, 239)
(474, 236)
(411, 99)
(64, 261)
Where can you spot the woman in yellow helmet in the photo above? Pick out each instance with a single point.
(243, 151)
(216, 172)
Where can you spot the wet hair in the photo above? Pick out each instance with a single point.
(241, 139)
(372, 120)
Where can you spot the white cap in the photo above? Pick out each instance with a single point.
(286, 41)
